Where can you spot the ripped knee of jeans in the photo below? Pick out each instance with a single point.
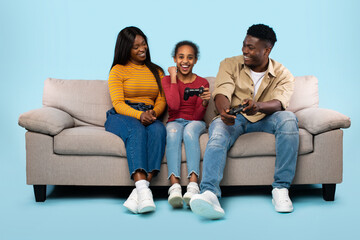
(173, 130)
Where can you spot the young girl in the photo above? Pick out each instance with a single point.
(185, 121)
(137, 98)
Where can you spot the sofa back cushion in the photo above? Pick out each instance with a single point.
(305, 95)
(85, 100)
(89, 100)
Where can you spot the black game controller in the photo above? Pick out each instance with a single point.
(189, 92)
(237, 110)
(139, 106)
(147, 107)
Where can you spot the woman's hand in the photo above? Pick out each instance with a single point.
(147, 117)
(205, 96)
(172, 71)
(152, 112)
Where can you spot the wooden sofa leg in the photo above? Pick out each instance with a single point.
(329, 192)
(40, 193)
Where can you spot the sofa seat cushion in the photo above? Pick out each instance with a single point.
(92, 140)
(88, 140)
(255, 144)
(263, 144)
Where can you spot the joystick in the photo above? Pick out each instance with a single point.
(189, 92)
(237, 110)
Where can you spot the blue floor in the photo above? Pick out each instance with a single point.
(69, 39)
(97, 212)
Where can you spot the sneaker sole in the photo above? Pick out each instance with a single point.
(205, 209)
(176, 202)
(147, 209)
(187, 200)
(282, 210)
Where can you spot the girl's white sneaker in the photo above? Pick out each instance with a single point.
(175, 196)
(191, 190)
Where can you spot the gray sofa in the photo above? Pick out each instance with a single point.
(66, 143)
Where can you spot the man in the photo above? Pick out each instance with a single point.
(264, 86)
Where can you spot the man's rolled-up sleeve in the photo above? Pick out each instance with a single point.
(224, 82)
(284, 88)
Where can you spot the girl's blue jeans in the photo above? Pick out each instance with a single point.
(188, 131)
(145, 145)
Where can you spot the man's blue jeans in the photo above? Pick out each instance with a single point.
(188, 131)
(145, 145)
(282, 124)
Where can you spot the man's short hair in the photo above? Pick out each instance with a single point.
(262, 32)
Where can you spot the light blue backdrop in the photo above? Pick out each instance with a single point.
(75, 40)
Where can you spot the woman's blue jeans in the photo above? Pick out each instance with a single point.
(145, 145)
(188, 131)
(282, 124)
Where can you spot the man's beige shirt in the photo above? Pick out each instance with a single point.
(234, 81)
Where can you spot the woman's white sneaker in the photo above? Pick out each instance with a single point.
(145, 201)
(191, 190)
(281, 200)
(131, 202)
(175, 196)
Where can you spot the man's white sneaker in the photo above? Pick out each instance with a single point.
(175, 196)
(207, 205)
(191, 190)
(281, 200)
(145, 201)
(132, 202)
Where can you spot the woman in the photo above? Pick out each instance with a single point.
(185, 121)
(137, 99)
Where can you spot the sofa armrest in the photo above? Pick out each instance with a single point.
(318, 120)
(47, 120)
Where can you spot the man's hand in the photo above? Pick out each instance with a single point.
(252, 108)
(147, 117)
(222, 104)
(268, 107)
(205, 96)
(227, 118)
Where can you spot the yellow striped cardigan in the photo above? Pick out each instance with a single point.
(137, 84)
